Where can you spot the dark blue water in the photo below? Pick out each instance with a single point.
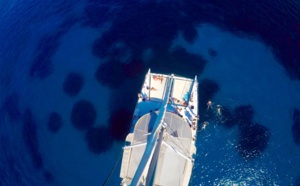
(70, 72)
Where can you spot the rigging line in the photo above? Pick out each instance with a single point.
(179, 171)
(187, 151)
(177, 145)
(178, 139)
(112, 170)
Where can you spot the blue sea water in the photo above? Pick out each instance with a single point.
(70, 71)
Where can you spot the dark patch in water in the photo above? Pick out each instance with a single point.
(29, 131)
(83, 115)
(110, 74)
(125, 96)
(296, 126)
(55, 122)
(244, 115)
(253, 140)
(212, 52)
(98, 139)
(48, 177)
(189, 31)
(194, 63)
(152, 25)
(73, 84)
(42, 65)
(134, 68)
(144, 25)
(10, 106)
(119, 124)
(179, 61)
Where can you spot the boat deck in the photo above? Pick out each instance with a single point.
(154, 88)
(184, 96)
(178, 148)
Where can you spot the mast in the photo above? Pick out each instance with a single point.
(152, 141)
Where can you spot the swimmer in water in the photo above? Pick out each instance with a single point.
(205, 123)
(219, 110)
(209, 104)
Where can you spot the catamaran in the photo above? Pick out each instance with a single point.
(160, 148)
